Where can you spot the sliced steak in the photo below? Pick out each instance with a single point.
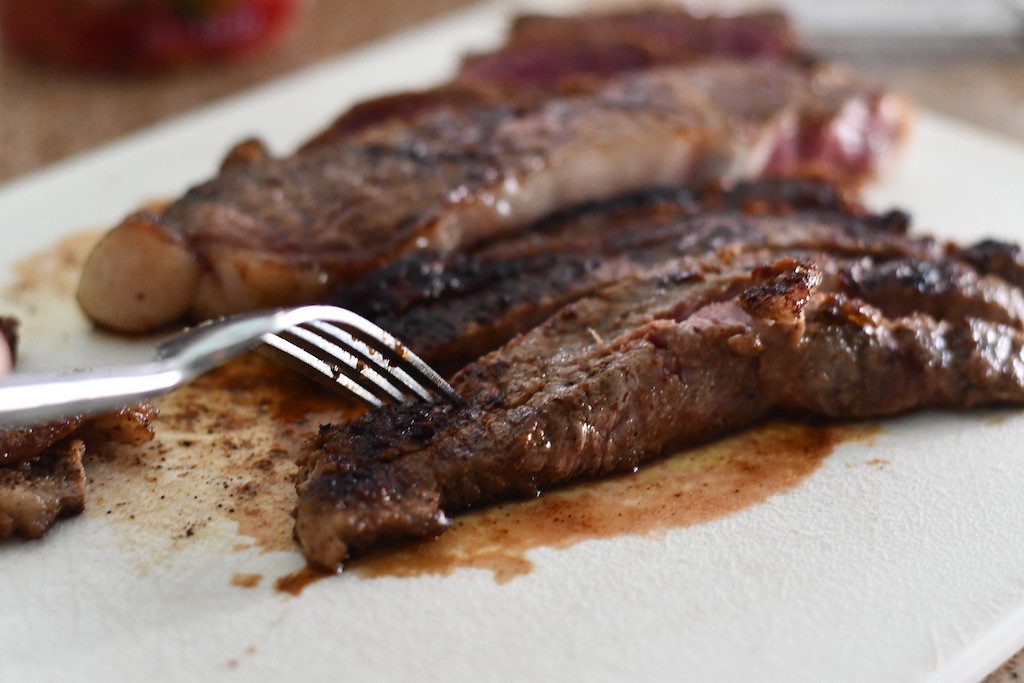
(650, 365)
(548, 56)
(268, 232)
(548, 52)
(41, 474)
(455, 309)
(664, 32)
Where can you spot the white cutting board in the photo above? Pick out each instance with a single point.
(906, 571)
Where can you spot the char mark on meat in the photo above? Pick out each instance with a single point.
(278, 231)
(460, 307)
(653, 363)
(993, 257)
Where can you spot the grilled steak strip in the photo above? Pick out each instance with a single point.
(459, 308)
(645, 367)
(664, 32)
(548, 56)
(551, 51)
(268, 232)
(41, 474)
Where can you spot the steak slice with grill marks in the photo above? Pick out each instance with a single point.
(658, 363)
(460, 307)
(278, 231)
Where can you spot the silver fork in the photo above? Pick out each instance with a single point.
(330, 344)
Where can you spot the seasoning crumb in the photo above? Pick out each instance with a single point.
(246, 580)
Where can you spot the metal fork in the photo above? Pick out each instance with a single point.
(330, 344)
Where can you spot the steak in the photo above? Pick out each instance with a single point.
(678, 354)
(547, 56)
(279, 231)
(666, 33)
(457, 308)
(41, 474)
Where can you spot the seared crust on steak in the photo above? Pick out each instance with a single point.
(459, 307)
(41, 474)
(268, 232)
(646, 366)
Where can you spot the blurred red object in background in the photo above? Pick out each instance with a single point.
(140, 35)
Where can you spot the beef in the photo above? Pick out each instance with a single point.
(278, 231)
(652, 364)
(993, 257)
(42, 478)
(664, 32)
(42, 489)
(459, 307)
(548, 51)
(547, 56)
(407, 107)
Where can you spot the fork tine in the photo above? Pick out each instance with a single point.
(399, 361)
(315, 367)
(326, 342)
(338, 346)
(395, 373)
(335, 359)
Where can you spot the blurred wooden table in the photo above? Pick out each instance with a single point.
(47, 115)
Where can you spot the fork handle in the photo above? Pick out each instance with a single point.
(38, 399)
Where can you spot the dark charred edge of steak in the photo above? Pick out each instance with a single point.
(41, 473)
(36, 493)
(788, 342)
(994, 257)
(9, 335)
(23, 444)
(942, 289)
(427, 276)
(455, 309)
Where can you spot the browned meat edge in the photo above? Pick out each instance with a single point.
(454, 309)
(658, 362)
(41, 472)
(269, 231)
